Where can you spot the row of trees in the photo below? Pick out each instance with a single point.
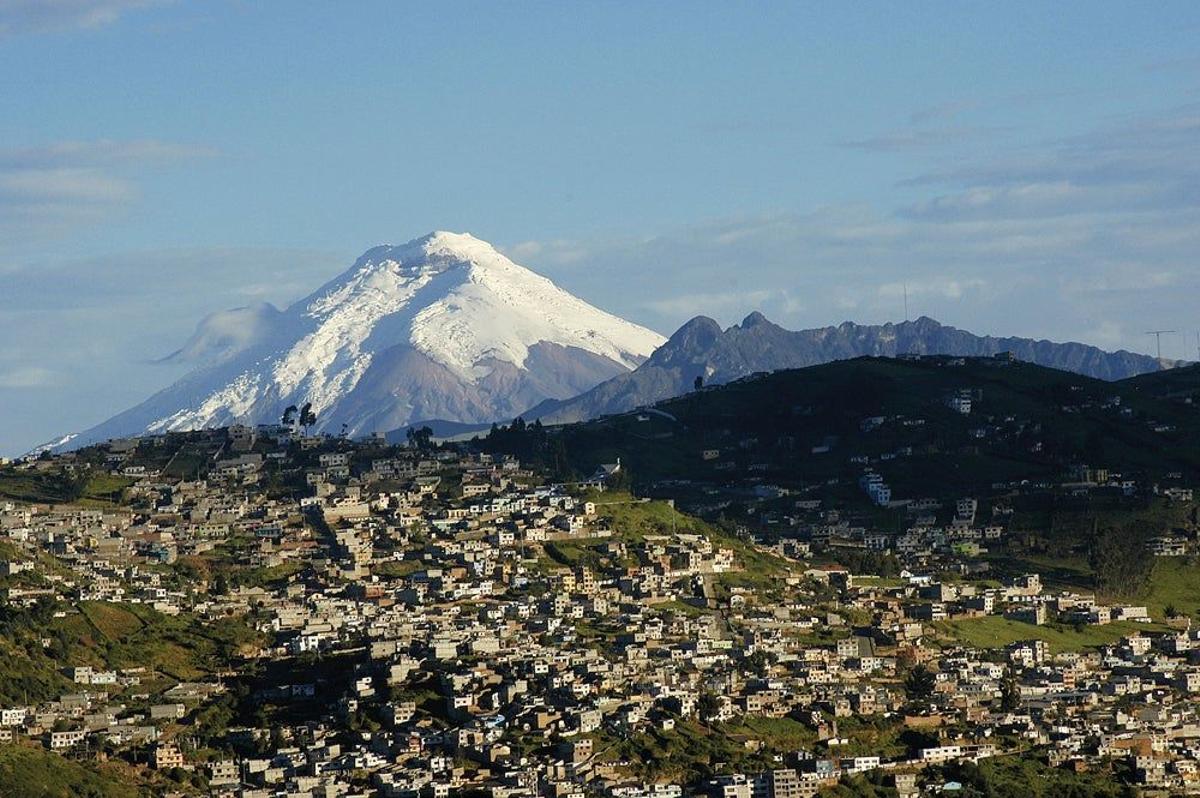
(303, 415)
(533, 444)
(1120, 563)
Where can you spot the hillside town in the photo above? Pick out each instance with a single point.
(259, 613)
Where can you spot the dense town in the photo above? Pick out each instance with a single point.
(434, 620)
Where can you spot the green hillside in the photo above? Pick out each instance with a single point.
(36, 773)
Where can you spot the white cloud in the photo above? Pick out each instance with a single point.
(58, 186)
(942, 286)
(37, 187)
(45, 16)
(719, 305)
(559, 251)
(1093, 236)
(95, 327)
(924, 138)
(28, 377)
(525, 249)
(99, 153)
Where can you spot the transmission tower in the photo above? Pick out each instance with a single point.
(1158, 334)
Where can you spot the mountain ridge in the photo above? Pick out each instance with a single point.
(441, 326)
(701, 349)
(446, 327)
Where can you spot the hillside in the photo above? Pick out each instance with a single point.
(700, 349)
(35, 773)
(819, 428)
(1178, 384)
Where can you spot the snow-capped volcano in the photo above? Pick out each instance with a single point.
(444, 326)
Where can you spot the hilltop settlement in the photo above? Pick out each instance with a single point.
(954, 596)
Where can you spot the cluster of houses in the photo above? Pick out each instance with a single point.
(446, 621)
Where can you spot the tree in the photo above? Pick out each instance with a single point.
(1010, 692)
(420, 439)
(289, 415)
(906, 657)
(1119, 562)
(621, 480)
(919, 683)
(760, 662)
(559, 461)
(307, 416)
(74, 485)
(709, 706)
(698, 383)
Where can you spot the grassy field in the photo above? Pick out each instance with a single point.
(30, 772)
(782, 733)
(994, 631)
(1027, 777)
(104, 489)
(687, 752)
(99, 489)
(108, 635)
(111, 621)
(1174, 582)
(186, 464)
(633, 520)
(180, 645)
(25, 678)
(36, 486)
(748, 742)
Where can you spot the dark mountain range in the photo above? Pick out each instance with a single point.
(700, 348)
(817, 429)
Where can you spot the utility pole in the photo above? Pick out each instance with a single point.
(1158, 334)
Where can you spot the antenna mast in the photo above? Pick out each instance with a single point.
(906, 301)
(1158, 334)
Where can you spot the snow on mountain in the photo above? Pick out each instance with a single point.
(444, 326)
(59, 443)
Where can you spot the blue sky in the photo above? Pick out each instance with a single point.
(1025, 168)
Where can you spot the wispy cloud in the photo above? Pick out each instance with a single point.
(24, 377)
(943, 111)
(953, 123)
(1188, 64)
(103, 152)
(718, 304)
(943, 286)
(1091, 236)
(1136, 166)
(79, 338)
(924, 138)
(48, 16)
(559, 251)
(64, 184)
